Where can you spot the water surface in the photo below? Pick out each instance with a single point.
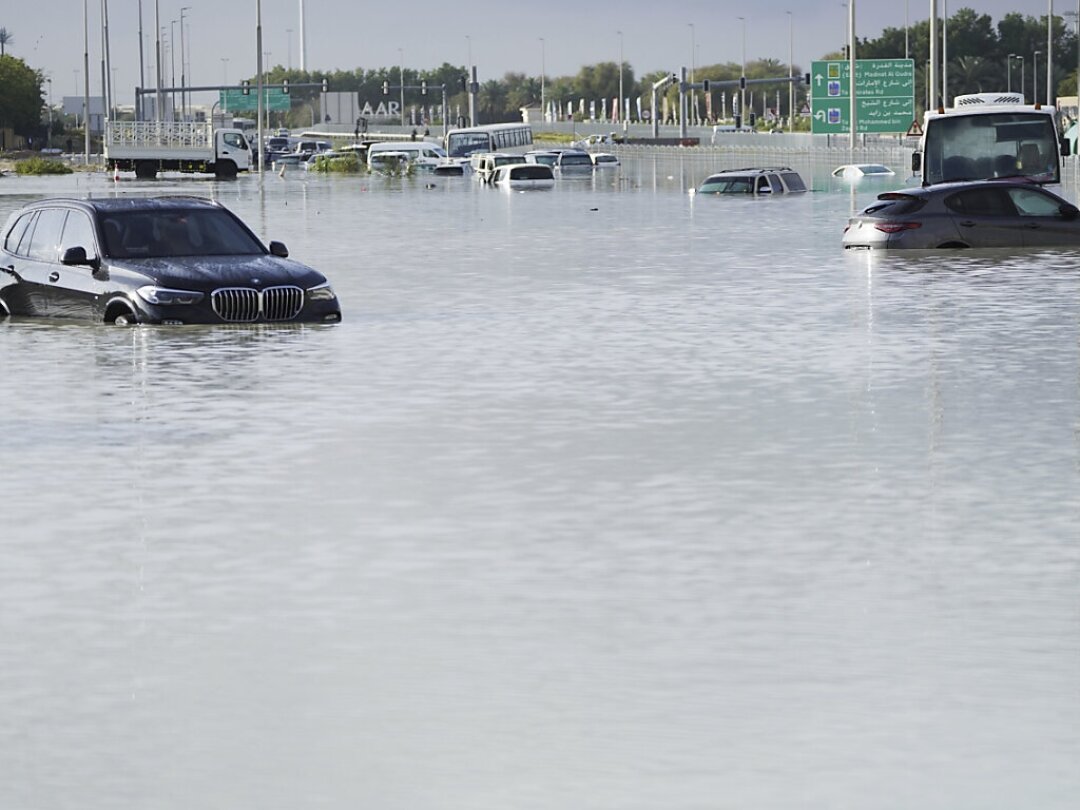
(605, 497)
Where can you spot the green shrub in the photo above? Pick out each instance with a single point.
(39, 165)
(345, 164)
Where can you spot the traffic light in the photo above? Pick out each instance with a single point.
(423, 87)
(324, 84)
(742, 82)
(753, 119)
(806, 79)
(738, 121)
(246, 87)
(705, 85)
(386, 88)
(285, 86)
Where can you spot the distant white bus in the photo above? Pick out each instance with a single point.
(461, 143)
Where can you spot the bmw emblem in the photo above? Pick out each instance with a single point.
(256, 281)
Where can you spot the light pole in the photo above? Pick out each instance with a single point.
(142, 71)
(543, 108)
(159, 101)
(48, 140)
(742, 84)
(401, 81)
(1035, 78)
(172, 61)
(1022, 82)
(1008, 72)
(303, 40)
(693, 105)
(622, 117)
(945, 52)
(907, 31)
(183, 74)
(1050, 56)
(259, 87)
(790, 72)
(86, 83)
(225, 81)
(288, 48)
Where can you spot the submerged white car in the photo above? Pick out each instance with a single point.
(855, 171)
(524, 176)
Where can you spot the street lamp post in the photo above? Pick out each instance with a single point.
(543, 109)
(1022, 82)
(742, 84)
(790, 72)
(288, 48)
(622, 116)
(1050, 56)
(158, 102)
(1035, 78)
(401, 81)
(1008, 72)
(183, 73)
(225, 81)
(142, 71)
(693, 104)
(172, 62)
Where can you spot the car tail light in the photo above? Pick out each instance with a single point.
(897, 227)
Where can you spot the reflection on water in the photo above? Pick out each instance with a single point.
(610, 496)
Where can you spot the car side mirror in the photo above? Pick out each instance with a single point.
(279, 249)
(1069, 211)
(76, 256)
(916, 162)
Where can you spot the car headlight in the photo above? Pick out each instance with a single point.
(321, 292)
(163, 296)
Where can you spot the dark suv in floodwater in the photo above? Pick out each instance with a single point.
(161, 260)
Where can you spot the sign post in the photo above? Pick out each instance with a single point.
(884, 96)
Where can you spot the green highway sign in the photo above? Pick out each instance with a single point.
(884, 95)
(274, 100)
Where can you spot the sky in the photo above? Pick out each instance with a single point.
(558, 36)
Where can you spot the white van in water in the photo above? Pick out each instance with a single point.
(422, 154)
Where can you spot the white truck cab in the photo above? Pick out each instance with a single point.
(988, 135)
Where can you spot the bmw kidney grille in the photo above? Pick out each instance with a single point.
(245, 304)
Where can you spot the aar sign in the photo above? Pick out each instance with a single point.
(884, 95)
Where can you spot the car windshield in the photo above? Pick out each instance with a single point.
(728, 185)
(176, 232)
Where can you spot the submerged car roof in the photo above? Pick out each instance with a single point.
(107, 204)
(944, 188)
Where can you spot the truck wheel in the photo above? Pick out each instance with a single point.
(225, 168)
(145, 170)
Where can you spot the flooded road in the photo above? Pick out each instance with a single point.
(606, 497)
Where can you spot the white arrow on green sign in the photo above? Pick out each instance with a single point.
(884, 95)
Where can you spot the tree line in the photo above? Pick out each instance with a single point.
(978, 53)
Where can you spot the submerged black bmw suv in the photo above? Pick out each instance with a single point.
(161, 260)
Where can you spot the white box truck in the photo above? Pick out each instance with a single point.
(149, 147)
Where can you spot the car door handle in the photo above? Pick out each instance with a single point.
(1032, 226)
(54, 276)
(967, 223)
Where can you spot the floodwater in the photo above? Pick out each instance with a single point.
(605, 498)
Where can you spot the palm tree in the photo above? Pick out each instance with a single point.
(5, 37)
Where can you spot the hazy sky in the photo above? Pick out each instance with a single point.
(502, 36)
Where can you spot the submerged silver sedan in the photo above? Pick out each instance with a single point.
(981, 214)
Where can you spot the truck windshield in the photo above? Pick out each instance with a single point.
(988, 145)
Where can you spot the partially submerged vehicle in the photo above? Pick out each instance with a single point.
(857, 171)
(754, 181)
(524, 176)
(980, 214)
